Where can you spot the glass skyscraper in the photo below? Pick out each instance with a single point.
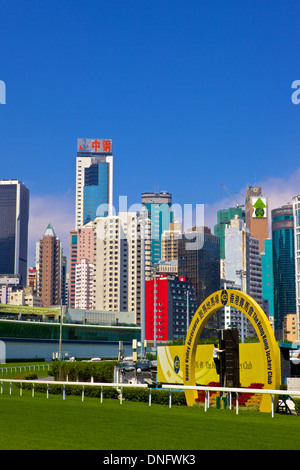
(95, 191)
(94, 180)
(267, 276)
(283, 265)
(158, 206)
(199, 261)
(14, 216)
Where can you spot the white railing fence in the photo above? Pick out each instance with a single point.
(230, 391)
(119, 386)
(32, 367)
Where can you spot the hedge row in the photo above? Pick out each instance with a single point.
(57, 389)
(157, 396)
(297, 405)
(83, 371)
(100, 372)
(130, 394)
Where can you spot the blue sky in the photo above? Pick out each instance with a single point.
(194, 94)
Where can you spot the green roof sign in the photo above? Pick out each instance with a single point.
(259, 207)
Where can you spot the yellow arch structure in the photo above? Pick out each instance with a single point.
(250, 308)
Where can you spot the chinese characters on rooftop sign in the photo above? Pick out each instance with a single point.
(94, 145)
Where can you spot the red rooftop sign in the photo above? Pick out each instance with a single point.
(94, 145)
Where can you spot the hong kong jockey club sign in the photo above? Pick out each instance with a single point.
(249, 307)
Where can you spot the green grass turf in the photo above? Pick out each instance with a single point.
(38, 423)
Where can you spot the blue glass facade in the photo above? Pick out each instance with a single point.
(8, 201)
(161, 217)
(159, 210)
(267, 275)
(95, 192)
(283, 264)
(199, 262)
(70, 332)
(14, 215)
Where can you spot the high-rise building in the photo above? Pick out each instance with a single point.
(224, 216)
(81, 248)
(242, 261)
(64, 281)
(236, 244)
(290, 327)
(159, 210)
(242, 271)
(296, 214)
(254, 287)
(169, 242)
(9, 283)
(199, 261)
(94, 180)
(267, 278)
(50, 268)
(118, 262)
(14, 215)
(256, 214)
(283, 265)
(170, 306)
(84, 285)
(32, 278)
(37, 265)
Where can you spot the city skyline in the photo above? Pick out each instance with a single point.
(194, 95)
(59, 210)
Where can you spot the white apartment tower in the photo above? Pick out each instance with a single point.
(84, 285)
(242, 270)
(242, 259)
(118, 262)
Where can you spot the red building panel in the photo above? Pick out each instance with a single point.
(162, 309)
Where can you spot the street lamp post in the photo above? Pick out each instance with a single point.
(187, 294)
(243, 275)
(143, 313)
(154, 308)
(60, 332)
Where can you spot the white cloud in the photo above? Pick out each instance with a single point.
(280, 191)
(57, 209)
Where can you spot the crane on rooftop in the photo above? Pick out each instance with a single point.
(231, 195)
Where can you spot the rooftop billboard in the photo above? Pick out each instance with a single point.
(94, 145)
